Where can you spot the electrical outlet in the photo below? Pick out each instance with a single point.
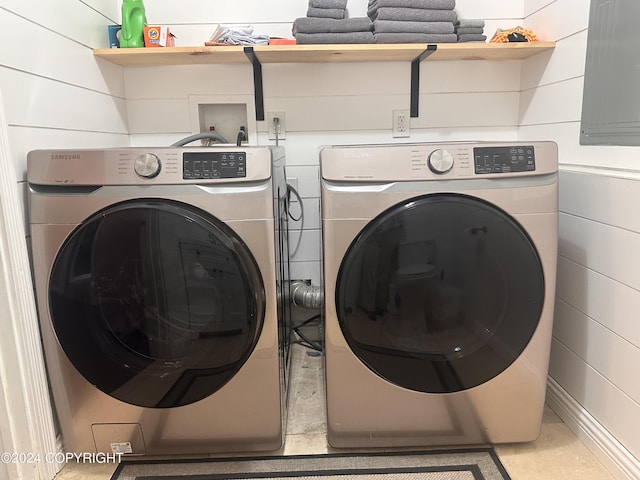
(401, 123)
(271, 124)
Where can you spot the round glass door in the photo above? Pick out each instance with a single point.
(440, 293)
(156, 303)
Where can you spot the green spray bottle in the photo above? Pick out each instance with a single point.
(133, 22)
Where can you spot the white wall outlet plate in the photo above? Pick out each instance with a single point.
(401, 126)
(281, 125)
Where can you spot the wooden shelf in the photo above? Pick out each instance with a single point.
(131, 57)
(147, 57)
(415, 53)
(490, 51)
(339, 53)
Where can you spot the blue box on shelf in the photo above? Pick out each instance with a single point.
(114, 36)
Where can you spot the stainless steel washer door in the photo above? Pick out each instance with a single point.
(156, 303)
(440, 293)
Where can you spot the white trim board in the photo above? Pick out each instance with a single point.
(602, 171)
(26, 415)
(611, 453)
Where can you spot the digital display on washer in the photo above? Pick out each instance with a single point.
(212, 165)
(504, 159)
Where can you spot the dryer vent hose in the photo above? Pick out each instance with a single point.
(305, 295)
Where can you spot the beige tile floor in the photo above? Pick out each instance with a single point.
(557, 454)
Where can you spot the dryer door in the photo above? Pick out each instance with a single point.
(441, 293)
(156, 303)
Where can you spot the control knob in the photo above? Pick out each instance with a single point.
(147, 165)
(440, 161)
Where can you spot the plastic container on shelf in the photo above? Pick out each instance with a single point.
(133, 22)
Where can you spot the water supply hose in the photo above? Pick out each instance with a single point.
(200, 136)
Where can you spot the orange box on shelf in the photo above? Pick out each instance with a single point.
(158, 36)
(282, 41)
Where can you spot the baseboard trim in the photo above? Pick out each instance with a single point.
(613, 455)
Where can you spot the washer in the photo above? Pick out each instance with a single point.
(439, 271)
(160, 276)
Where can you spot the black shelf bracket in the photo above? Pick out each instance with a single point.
(415, 78)
(257, 82)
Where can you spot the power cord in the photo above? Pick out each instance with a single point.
(276, 128)
(300, 218)
(304, 340)
(242, 135)
(291, 190)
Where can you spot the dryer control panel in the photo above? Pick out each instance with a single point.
(506, 159)
(437, 161)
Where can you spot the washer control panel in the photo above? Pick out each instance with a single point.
(507, 159)
(219, 165)
(211, 165)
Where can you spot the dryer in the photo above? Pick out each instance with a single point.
(160, 280)
(439, 265)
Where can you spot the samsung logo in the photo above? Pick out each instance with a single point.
(358, 154)
(65, 156)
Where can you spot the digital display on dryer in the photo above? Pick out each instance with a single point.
(213, 165)
(504, 159)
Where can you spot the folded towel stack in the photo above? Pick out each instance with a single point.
(470, 30)
(336, 9)
(309, 30)
(413, 21)
(322, 28)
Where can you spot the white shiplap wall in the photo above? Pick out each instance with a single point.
(55, 93)
(596, 346)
